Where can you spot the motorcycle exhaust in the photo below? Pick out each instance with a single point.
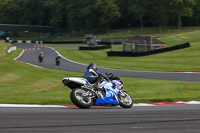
(90, 88)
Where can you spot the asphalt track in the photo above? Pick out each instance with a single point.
(68, 65)
(158, 119)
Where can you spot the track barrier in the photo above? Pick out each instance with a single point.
(11, 49)
(94, 48)
(136, 54)
(26, 41)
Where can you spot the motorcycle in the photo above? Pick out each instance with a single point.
(58, 59)
(109, 93)
(41, 56)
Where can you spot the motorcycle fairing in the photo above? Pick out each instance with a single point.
(111, 95)
(75, 82)
(86, 81)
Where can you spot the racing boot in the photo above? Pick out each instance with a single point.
(96, 86)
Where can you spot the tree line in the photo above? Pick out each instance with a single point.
(100, 15)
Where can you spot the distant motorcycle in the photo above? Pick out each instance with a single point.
(58, 59)
(110, 92)
(41, 56)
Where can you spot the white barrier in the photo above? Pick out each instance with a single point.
(10, 41)
(11, 49)
(19, 41)
(28, 41)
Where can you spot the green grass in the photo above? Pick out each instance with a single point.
(22, 83)
(147, 90)
(180, 60)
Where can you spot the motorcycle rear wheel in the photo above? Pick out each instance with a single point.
(125, 100)
(81, 98)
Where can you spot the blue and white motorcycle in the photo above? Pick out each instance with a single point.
(110, 92)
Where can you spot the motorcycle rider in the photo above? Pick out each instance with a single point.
(41, 56)
(58, 59)
(93, 76)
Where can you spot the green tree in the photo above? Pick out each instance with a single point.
(34, 13)
(196, 14)
(126, 18)
(158, 10)
(106, 13)
(182, 8)
(10, 11)
(57, 12)
(137, 11)
(80, 15)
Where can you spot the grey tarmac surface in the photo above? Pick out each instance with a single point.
(67, 65)
(158, 119)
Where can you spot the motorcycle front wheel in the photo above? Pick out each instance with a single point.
(125, 99)
(81, 98)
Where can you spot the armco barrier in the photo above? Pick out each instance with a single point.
(22, 41)
(108, 43)
(94, 48)
(134, 54)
